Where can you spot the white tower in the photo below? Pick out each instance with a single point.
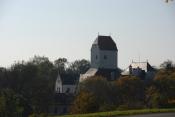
(104, 53)
(104, 59)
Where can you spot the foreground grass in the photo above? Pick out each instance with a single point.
(120, 113)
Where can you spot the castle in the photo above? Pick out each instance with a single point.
(104, 62)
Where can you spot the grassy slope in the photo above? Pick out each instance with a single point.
(117, 113)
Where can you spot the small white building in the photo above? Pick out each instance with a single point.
(140, 69)
(65, 90)
(66, 84)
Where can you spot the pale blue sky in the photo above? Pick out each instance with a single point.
(67, 28)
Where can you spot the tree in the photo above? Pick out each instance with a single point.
(34, 80)
(152, 97)
(161, 92)
(60, 64)
(11, 104)
(3, 78)
(79, 66)
(31, 84)
(167, 64)
(103, 92)
(85, 102)
(38, 60)
(165, 84)
(130, 91)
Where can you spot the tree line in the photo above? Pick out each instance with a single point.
(127, 92)
(27, 87)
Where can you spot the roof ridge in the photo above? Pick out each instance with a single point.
(105, 43)
(139, 62)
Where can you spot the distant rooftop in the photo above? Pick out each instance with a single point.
(143, 65)
(105, 43)
(67, 80)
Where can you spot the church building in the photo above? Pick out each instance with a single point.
(66, 84)
(65, 91)
(104, 59)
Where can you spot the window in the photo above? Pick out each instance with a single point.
(96, 57)
(105, 57)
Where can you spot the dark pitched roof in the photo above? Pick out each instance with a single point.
(105, 43)
(67, 80)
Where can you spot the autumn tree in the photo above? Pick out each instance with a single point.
(167, 65)
(61, 64)
(161, 93)
(103, 92)
(85, 102)
(130, 91)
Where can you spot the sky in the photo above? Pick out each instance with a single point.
(142, 29)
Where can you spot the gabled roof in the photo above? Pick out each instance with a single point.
(91, 72)
(105, 43)
(101, 72)
(143, 65)
(66, 79)
(135, 65)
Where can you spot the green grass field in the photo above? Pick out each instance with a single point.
(120, 113)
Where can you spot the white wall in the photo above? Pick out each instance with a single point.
(111, 61)
(95, 57)
(72, 88)
(58, 86)
(61, 88)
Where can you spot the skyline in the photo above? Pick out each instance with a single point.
(142, 29)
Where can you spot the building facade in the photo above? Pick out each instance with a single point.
(65, 84)
(142, 70)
